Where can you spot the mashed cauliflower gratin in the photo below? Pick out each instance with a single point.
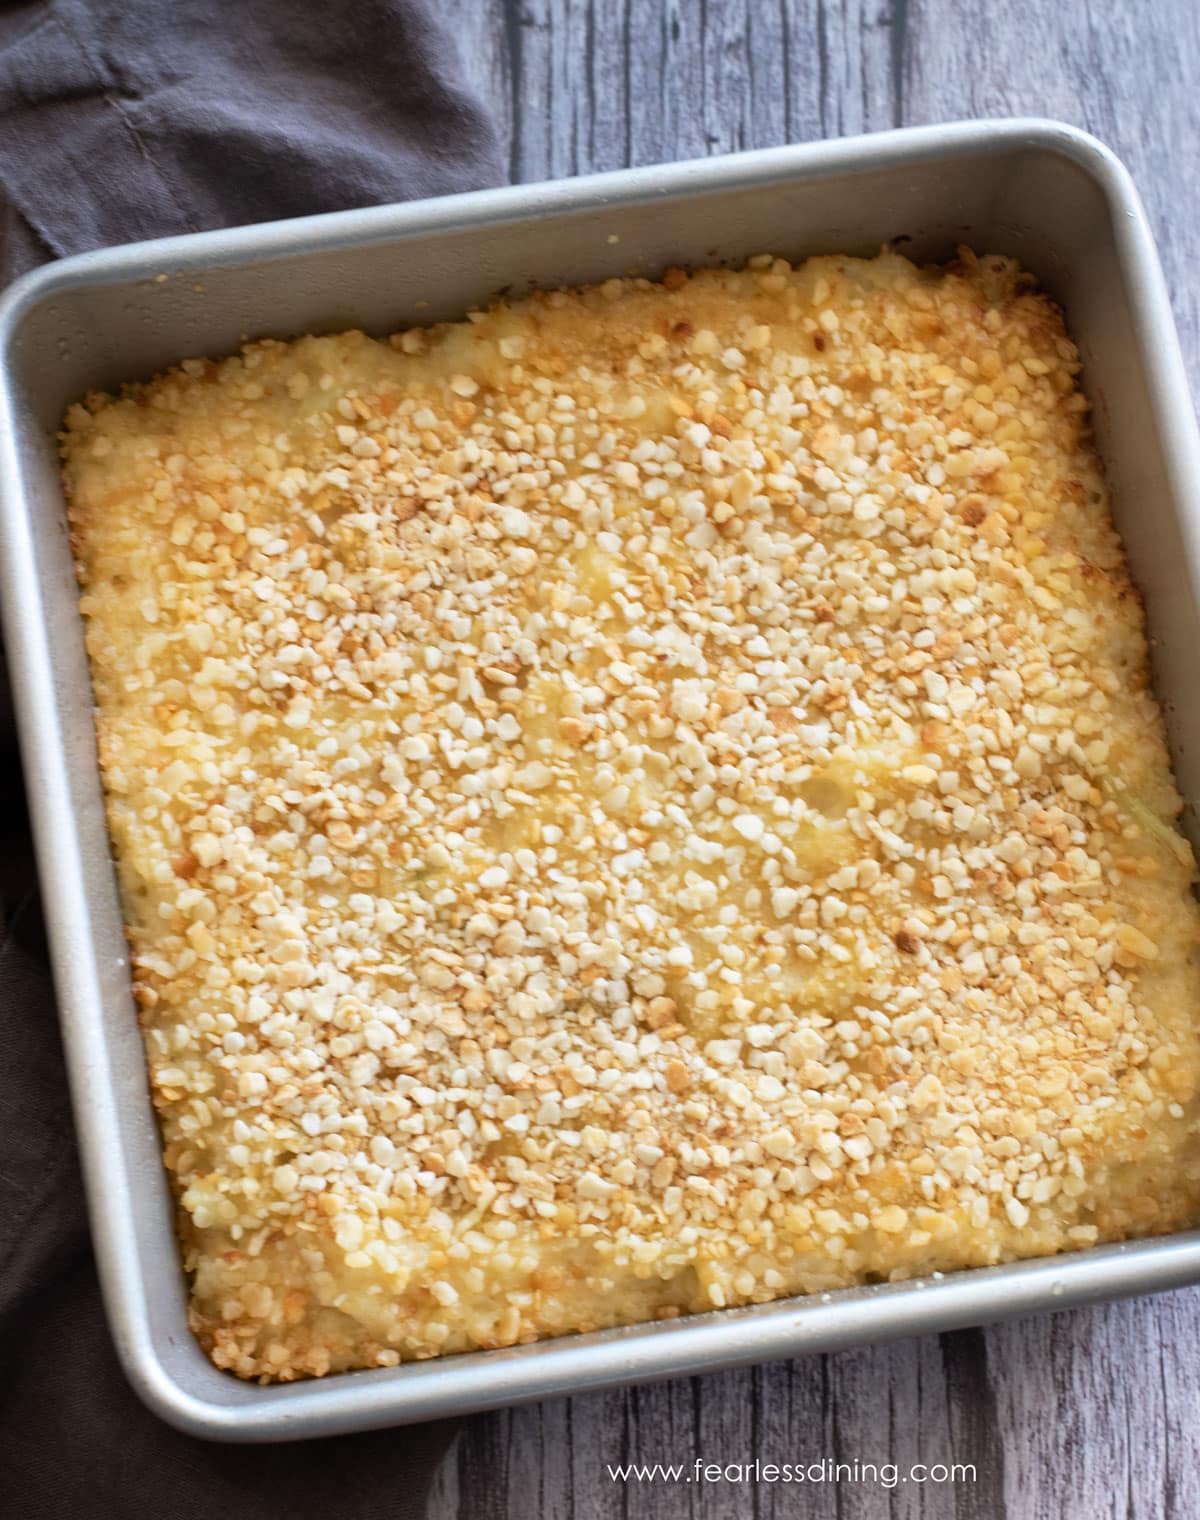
(644, 799)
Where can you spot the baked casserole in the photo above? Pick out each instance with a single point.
(643, 800)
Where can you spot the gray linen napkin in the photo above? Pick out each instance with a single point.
(128, 119)
(119, 120)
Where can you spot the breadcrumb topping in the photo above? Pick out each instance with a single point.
(642, 800)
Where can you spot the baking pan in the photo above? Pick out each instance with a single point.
(1049, 195)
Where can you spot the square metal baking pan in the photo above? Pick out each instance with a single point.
(1045, 193)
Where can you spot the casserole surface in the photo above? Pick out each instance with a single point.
(645, 800)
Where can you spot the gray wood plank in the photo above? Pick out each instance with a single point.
(1079, 1416)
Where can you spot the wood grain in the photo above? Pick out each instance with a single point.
(1084, 1415)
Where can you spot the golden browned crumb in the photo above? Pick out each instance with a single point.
(642, 800)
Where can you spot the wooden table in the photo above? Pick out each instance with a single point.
(1093, 1413)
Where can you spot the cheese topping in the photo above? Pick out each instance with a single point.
(645, 799)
